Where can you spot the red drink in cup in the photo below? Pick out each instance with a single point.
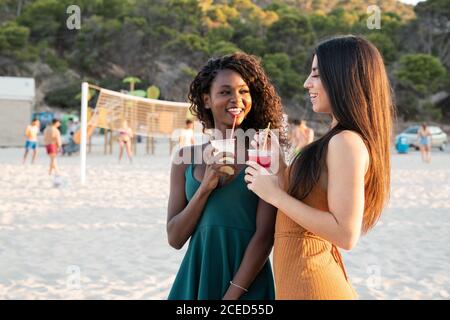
(262, 157)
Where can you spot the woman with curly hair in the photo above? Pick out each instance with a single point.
(336, 188)
(230, 229)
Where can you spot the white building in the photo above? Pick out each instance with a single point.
(16, 108)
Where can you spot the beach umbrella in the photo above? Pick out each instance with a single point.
(131, 81)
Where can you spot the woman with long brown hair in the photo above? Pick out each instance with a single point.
(336, 188)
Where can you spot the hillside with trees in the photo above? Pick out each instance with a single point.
(164, 43)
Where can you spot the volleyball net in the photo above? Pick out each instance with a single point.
(114, 110)
(145, 117)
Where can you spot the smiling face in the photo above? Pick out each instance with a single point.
(317, 93)
(229, 97)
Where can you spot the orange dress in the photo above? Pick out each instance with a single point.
(307, 267)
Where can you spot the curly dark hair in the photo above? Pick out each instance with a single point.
(266, 104)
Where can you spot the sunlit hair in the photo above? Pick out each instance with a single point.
(353, 74)
(266, 104)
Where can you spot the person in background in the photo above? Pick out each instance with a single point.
(72, 127)
(52, 140)
(302, 135)
(187, 135)
(125, 136)
(424, 137)
(31, 142)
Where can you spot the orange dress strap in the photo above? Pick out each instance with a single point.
(338, 258)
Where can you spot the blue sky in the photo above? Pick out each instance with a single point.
(411, 1)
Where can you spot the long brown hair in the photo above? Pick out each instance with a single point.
(353, 75)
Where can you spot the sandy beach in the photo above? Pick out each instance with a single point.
(107, 239)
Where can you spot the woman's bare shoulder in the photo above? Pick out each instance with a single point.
(348, 138)
(348, 146)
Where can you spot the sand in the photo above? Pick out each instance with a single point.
(107, 239)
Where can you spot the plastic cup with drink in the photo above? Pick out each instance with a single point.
(227, 148)
(262, 155)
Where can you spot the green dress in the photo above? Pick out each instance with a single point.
(218, 244)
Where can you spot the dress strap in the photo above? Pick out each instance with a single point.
(338, 258)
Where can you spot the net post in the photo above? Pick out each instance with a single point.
(83, 140)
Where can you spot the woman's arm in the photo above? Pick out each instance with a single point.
(181, 140)
(183, 216)
(347, 161)
(58, 138)
(257, 252)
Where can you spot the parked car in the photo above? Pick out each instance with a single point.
(438, 137)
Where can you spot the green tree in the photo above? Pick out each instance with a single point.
(221, 48)
(65, 97)
(280, 70)
(385, 44)
(419, 76)
(222, 33)
(186, 43)
(219, 41)
(422, 72)
(252, 45)
(14, 41)
(44, 18)
(97, 45)
(432, 28)
(13, 36)
(291, 34)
